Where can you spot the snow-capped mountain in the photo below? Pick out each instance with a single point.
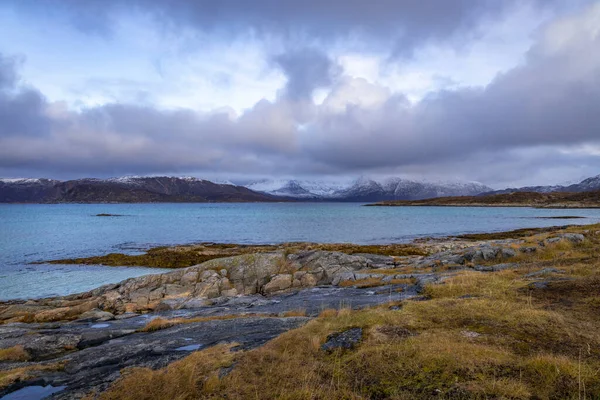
(367, 189)
(129, 189)
(586, 185)
(300, 189)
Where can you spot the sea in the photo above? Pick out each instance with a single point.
(31, 233)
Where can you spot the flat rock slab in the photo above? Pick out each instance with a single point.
(94, 352)
(94, 368)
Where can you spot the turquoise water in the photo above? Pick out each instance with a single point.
(30, 233)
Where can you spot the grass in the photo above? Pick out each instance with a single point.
(525, 343)
(10, 376)
(194, 377)
(15, 353)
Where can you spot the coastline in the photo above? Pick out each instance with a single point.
(435, 293)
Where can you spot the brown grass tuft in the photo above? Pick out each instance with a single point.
(15, 353)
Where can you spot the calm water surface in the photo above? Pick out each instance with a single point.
(30, 233)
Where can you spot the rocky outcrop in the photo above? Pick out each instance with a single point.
(269, 273)
(261, 273)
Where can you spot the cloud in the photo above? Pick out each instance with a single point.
(21, 111)
(540, 113)
(402, 24)
(306, 70)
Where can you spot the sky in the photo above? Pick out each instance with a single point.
(506, 92)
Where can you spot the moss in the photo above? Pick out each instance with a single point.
(186, 256)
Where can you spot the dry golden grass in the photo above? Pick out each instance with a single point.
(295, 313)
(11, 376)
(479, 336)
(194, 377)
(15, 353)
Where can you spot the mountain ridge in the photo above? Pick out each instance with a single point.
(368, 189)
(158, 189)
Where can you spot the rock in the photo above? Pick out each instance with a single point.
(229, 292)
(308, 280)
(277, 283)
(343, 340)
(190, 278)
(539, 285)
(528, 249)
(507, 252)
(544, 271)
(377, 259)
(44, 347)
(96, 315)
(573, 237)
(126, 316)
(470, 334)
(495, 268)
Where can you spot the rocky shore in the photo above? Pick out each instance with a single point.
(73, 346)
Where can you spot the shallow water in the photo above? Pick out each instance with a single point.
(33, 392)
(30, 233)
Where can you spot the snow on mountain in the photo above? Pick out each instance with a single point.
(20, 180)
(588, 184)
(367, 189)
(297, 188)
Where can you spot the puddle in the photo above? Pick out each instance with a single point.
(33, 392)
(187, 339)
(189, 347)
(98, 326)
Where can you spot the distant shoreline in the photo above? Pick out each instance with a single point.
(553, 200)
(552, 207)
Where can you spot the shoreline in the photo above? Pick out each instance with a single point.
(289, 308)
(551, 207)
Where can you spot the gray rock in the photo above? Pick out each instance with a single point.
(539, 285)
(528, 249)
(495, 268)
(343, 340)
(544, 271)
(573, 237)
(96, 315)
(278, 283)
(507, 252)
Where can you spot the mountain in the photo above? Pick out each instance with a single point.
(299, 189)
(366, 189)
(26, 190)
(125, 190)
(586, 185)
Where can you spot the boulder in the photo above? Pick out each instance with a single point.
(278, 283)
(96, 315)
(343, 340)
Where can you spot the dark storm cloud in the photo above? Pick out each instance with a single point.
(406, 23)
(548, 107)
(21, 111)
(306, 70)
